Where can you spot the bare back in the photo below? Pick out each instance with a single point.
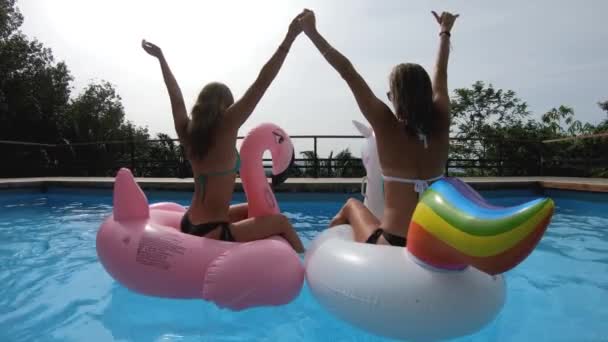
(215, 172)
(400, 155)
(212, 202)
(405, 156)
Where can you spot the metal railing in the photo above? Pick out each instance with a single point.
(165, 158)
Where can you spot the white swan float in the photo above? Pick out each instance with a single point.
(446, 283)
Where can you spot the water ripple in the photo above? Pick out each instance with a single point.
(54, 288)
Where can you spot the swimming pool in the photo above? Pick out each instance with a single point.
(54, 289)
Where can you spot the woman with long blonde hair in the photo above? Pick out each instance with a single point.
(412, 140)
(209, 136)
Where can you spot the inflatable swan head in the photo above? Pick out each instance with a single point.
(369, 150)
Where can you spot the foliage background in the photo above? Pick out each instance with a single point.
(86, 134)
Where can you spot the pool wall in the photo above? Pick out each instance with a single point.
(339, 185)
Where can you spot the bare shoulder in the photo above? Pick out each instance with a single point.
(231, 117)
(385, 119)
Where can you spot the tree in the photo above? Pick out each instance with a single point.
(603, 126)
(559, 122)
(35, 106)
(317, 167)
(604, 106)
(91, 125)
(163, 158)
(34, 90)
(311, 162)
(481, 110)
(343, 164)
(499, 137)
(96, 114)
(347, 166)
(481, 115)
(10, 18)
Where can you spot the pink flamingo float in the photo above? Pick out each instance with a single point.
(142, 247)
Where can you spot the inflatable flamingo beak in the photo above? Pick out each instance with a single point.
(130, 202)
(282, 177)
(282, 152)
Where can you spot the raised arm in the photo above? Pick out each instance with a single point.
(241, 109)
(178, 107)
(440, 79)
(372, 108)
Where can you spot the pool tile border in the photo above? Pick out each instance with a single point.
(339, 185)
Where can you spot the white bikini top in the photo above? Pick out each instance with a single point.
(422, 138)
(420, 185)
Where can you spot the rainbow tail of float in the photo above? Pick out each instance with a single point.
(454, 227)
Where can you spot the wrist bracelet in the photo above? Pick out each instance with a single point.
(447, 33)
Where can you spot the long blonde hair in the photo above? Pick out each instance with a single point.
(210, 105)
(412, 97)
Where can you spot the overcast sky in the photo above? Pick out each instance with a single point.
(549, 52)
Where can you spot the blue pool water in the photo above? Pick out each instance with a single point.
(52, 287)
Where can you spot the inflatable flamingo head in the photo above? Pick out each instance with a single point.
(268, 137)
(281, 149)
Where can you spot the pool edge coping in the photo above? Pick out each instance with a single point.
(338, 185)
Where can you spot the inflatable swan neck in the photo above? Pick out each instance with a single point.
(265, 137)
(130, 202)
(374, 192)
(363, 129)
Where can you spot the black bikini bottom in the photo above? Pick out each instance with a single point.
(394, 240)
(206, 228)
